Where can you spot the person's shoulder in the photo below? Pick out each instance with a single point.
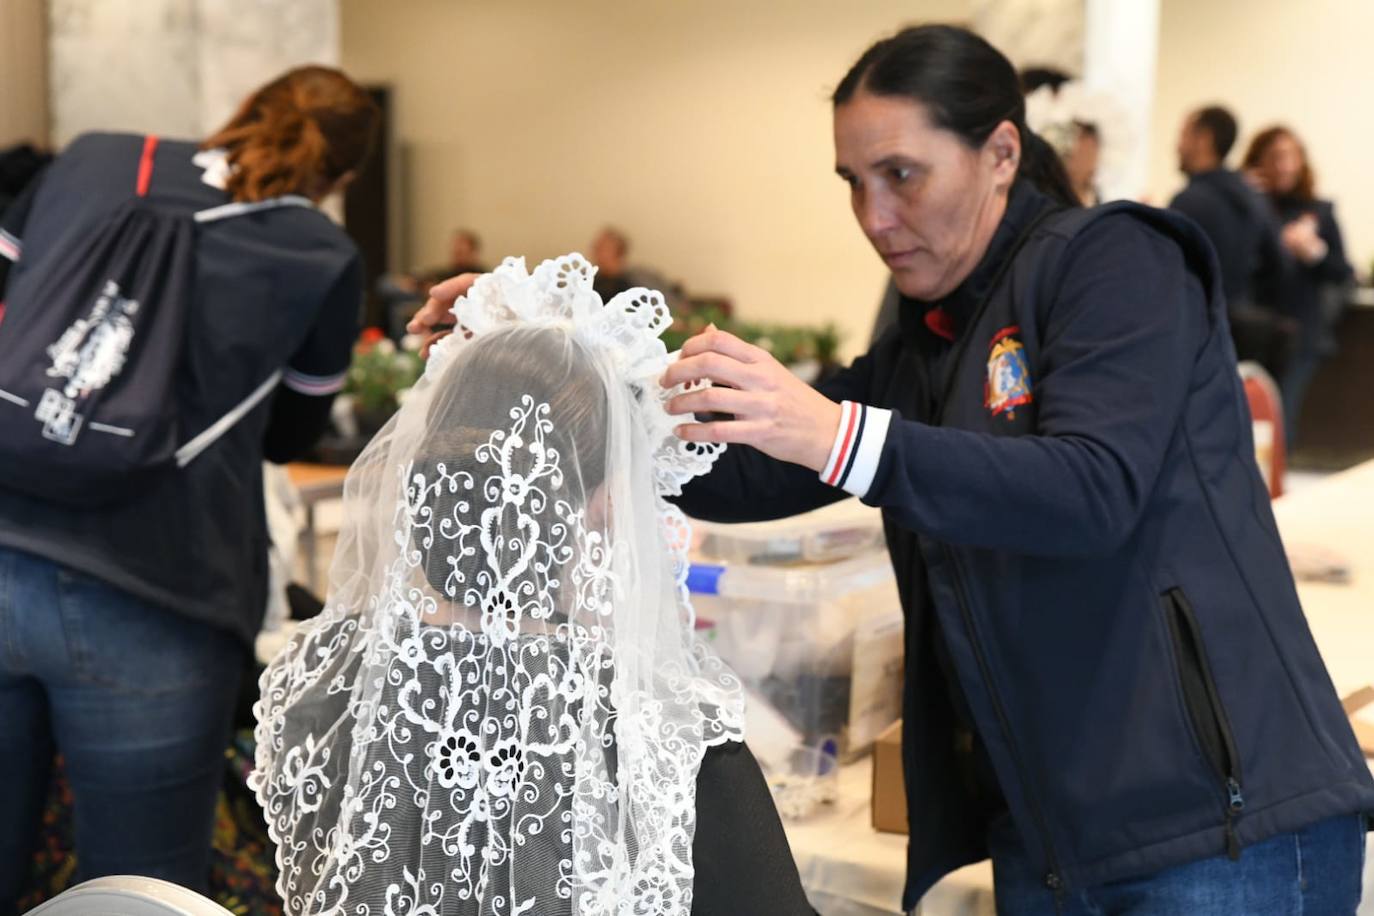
(1194, 195)
(1131, 240)
(1133, 229)
(309, 229)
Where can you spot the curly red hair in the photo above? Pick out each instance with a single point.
(299, 134)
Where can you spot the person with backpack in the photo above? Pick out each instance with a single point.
(174, 313)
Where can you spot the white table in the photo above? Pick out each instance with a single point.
(849, 869)
(315, 483)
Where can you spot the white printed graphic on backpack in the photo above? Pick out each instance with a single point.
(88, 355)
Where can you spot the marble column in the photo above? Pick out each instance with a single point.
(174, 67)
(1121, 49)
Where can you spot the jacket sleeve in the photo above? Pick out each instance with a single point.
(1275, 268)
(316, 372)
(1118, 349)
(1334, 268)
(745, 485)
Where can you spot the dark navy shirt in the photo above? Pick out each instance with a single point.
(278, 289)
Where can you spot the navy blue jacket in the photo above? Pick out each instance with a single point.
(1244, 233)
(1100, 556)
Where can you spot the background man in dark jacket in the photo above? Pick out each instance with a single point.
(1243, 232)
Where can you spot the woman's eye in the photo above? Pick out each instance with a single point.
(899, 174)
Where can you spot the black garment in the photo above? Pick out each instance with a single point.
(608, 287)
(1102, 561)
(19, 166)
(1313, 298)
(1245, 236)
(929, 354)
(740, 854)
(279, 289)
(1254, 265)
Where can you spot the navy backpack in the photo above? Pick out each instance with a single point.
(90, 347)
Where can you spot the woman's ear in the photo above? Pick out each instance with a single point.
(1004, 147)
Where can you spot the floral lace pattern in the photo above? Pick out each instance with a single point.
(465, 742)
(627, 328)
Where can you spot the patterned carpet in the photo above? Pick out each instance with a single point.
(242, 869)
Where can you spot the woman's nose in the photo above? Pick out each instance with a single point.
(876, 216)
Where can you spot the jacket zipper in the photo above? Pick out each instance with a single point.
(1053, 879)
(1208, 716)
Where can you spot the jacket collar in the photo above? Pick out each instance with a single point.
(948, 316)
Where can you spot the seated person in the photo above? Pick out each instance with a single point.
(402, 293)
(504, 707)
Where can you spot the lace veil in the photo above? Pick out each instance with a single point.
(503, 708)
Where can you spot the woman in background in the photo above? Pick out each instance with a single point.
(126, 626)
(1277, 163)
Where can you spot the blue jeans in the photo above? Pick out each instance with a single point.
(1314, 872)
(139, 702)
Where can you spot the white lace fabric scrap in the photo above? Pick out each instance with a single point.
(503, 707)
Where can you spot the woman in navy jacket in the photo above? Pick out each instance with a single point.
(1277, 162)
(1110, 685)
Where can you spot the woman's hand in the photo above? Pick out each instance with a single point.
(434, 319)
(773, 410)
(1303, 241)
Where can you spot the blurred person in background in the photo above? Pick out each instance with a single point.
(127, 625)
(402, 293)
(1276, 163)
(464, 257)
(1237, 221)
(1078, 141)
(610, 252)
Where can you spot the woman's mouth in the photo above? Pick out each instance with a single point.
(896, 259)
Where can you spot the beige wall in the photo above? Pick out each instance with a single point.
(23, 72)
(700, 128)
(1305, 64)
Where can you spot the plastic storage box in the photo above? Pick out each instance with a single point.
(806, 612)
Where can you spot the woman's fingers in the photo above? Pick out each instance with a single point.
(430, 314)
(713, 365)
(441, 298)
(430, 341)
(714, 340)
(715, 400)
(726, 431)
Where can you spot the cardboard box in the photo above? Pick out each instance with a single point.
(1364, 732)
(889, 786)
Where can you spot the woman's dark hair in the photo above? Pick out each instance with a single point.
(1033, 78)
(968, 87)
(487, 380)
(1305, 189)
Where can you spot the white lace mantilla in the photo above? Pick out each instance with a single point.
(495, 737)
(627, 329)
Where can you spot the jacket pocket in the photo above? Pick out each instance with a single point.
(1205, 710)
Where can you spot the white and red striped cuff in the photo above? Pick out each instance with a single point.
(858, 446)
(10, 246)
(316, 385)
